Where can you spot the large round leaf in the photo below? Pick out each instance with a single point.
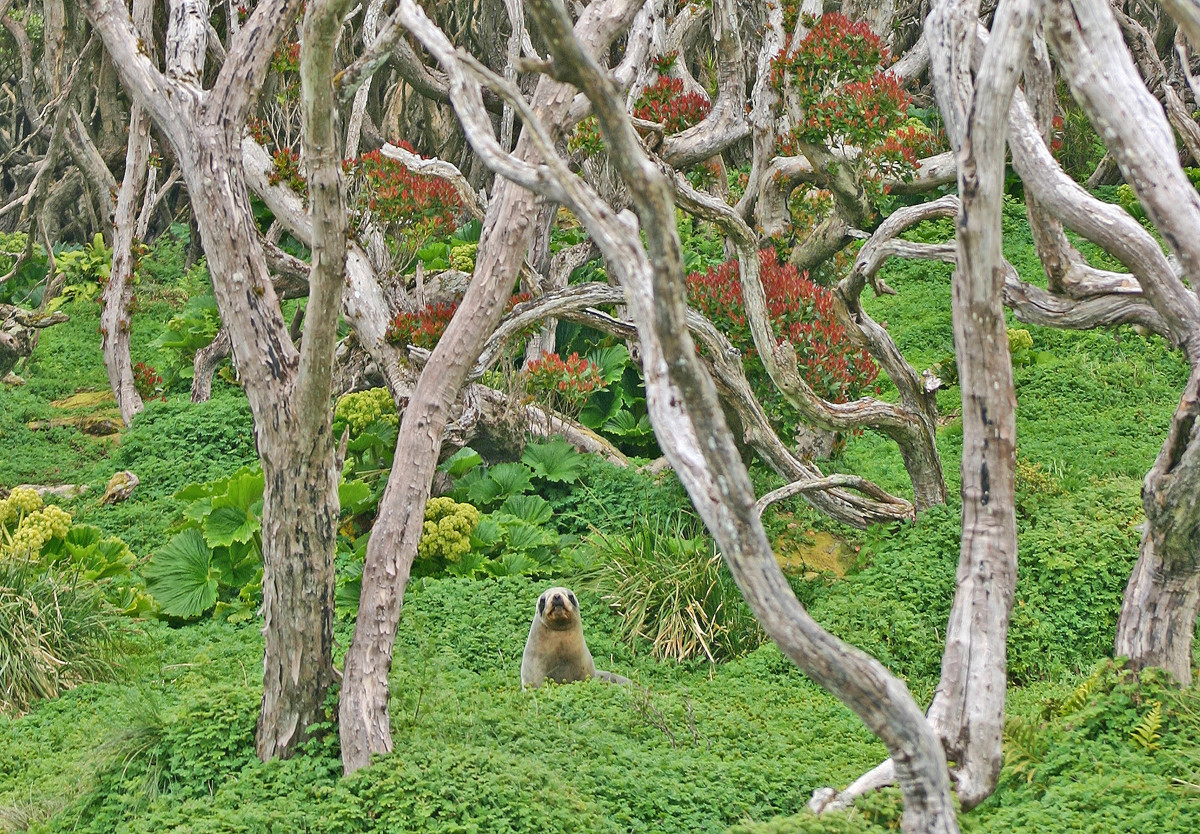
(181, 576)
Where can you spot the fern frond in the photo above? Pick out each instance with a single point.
(1023, 747)
(1146, 734)
(1078, 699)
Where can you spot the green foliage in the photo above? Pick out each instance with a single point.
(25, 288)
(672, 589)
(555, 461)
(91, 263)
(217, 553)
(193, 328)
(44, 538)
(1146, 734)
(609, 497)
(56, 632)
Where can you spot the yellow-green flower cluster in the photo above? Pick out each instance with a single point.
(27, 525)
(20, 501)
(447, 529)
(362, 408)
(462, 257)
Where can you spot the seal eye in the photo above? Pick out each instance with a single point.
(571, 596)
(541, 605)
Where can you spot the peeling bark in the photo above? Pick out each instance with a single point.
(1158, 615)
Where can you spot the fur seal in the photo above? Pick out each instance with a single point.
(556, 648)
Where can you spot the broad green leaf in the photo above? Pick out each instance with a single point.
(238, 564)
(531, 508)
(469, 565)
(512, 478)
(486, 535)
(197, 511)
(522, 536)
(484, 492)
(602, 407)
(352, 495)
(461, 462)
(555, 461)
(226, 525)
(626, 425)
(512, 564)
(81, 537)
(181, 577)
(244, 491)
(611, 361)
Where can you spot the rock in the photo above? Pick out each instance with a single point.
(65, 491)
(120, 486)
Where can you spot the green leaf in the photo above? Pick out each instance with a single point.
(611, 361)
(513, 564)
(181, 577)
(244, 491)
(626, 425)
(461, 462)
(238, 565)
(81, 537)
(468, 232)
(227, 525)
(484, 492)
(486, 535)
(531, 508)
(197, 511)
(555, 461)
(352, 495)
(522, 536)
(194, 492)
(602, 407)
(469, 565)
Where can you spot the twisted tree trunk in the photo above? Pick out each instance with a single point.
(1158, 615)
(288, 390)
(968, 706)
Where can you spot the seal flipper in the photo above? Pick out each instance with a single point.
(611, 677)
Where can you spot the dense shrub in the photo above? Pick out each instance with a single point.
(608, 497)
(174, 443)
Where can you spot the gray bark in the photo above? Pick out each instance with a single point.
(115, 319)
(683, 405)
(1158, 615)
(365, 723)
(968, 705)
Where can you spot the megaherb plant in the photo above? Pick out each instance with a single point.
(63, 589)
(44, 540)
(213, 562)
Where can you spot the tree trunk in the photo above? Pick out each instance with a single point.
(118, 292)
(288, 390)
(365, 723)
(1158, 615)
(687, 417)
(968, 706)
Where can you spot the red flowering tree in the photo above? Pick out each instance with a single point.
(849, 120)
(802, 312)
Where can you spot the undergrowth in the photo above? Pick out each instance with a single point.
(167, 745)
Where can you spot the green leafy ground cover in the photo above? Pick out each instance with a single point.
(167, 745)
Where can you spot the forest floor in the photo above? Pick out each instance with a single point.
(167, 746)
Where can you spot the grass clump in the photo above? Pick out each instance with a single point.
(672, 589)
(56, 632)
